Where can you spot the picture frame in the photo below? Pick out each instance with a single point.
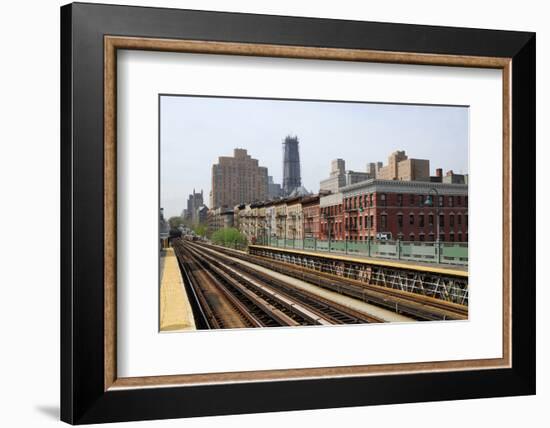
(91, 391)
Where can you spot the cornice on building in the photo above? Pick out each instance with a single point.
(401, 186)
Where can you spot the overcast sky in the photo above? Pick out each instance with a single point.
(196, 130)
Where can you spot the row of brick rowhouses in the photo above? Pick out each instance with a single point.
(379, 209)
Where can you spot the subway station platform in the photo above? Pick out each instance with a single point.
(175, 310)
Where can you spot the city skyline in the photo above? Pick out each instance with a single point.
(208, 127)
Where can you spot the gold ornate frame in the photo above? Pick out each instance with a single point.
(114, 43)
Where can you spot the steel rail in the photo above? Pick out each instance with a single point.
(419, 306)
(211, 321)
(326, 308)
(269, 301)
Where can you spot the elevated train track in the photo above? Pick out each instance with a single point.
(331, 311)
(444, 283)
(231, 296)
(421, 306)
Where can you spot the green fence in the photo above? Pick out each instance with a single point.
(430, 252)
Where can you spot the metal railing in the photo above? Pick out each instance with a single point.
(455, 253)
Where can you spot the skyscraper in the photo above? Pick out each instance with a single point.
(194, 201)
(273, 189)
(291, 165)
(237, 180)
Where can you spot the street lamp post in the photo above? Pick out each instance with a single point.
(327, 218)
(285, 235)
(269, 226)
(303, 218)
(360, 216)
(429, 202)
(369, 222)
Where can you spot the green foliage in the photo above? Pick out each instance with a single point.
(229, 237)
(175, 222)
(200, 229)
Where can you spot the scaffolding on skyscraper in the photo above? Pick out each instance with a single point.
(291, 165)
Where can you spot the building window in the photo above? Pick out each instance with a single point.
(421, 237)
(411, 200)
(370, 199)
(421, 220)
(442, 201)
(421, 200)
(459, 219)
(452, 237)
(383, 222)
(459, 236)
(466, 219)
(400, 200)
(411, 219)
(441, 220)
(431, 219)
(452, 220)
(371, 222)
(451, 201)
(383, 199)
(458, 201)
(465, 201)
(400, 221)
(442, 237)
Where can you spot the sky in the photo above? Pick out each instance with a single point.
(195, 131)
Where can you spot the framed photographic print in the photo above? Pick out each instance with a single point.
(265, 213)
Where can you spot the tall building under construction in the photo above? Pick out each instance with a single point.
(291, 165)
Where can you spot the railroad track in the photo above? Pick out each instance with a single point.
(412, 304)
(222, 298)
(224, 291)
(284, 311)
(213, 305)
(326, 311)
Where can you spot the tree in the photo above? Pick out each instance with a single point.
(229, 237)
(200, 229)
(176, 221)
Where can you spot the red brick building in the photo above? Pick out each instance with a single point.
(331, 218)
(392, 209)
(310, 213)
